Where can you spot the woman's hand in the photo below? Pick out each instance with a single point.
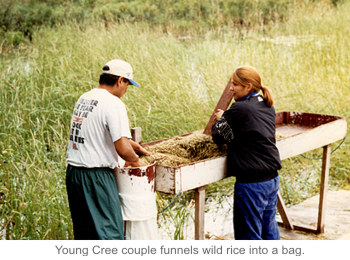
(218, 114)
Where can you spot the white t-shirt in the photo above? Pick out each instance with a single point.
(99, 119)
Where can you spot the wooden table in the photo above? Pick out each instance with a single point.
(304, 132)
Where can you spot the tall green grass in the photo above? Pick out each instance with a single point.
(304, 62)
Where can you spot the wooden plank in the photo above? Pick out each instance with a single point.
(199, 213)
(312, 139)
(323, 188)
(168, 179)
(301, 228)
(282, 210)
(136, 134)
(203, 173)
(310, 120)
(223, 103)
(174, 179)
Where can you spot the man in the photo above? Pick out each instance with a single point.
(100, 134)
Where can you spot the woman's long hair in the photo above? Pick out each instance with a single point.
(246, 75)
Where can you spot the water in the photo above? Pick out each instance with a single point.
(292, 40)
(218, 221)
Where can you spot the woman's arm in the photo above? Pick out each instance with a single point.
(221, 131)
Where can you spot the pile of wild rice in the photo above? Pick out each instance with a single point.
(182, 150)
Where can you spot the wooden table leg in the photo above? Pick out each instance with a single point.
(199, 213)
(323, 188)
(322, 199)
(282, 210)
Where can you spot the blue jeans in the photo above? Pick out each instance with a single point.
(254, 210)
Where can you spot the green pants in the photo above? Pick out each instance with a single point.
(94, 203)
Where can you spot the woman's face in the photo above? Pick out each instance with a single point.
(239, 91)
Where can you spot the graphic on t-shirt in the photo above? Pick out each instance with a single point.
(81, 110)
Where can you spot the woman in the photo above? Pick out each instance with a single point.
(248, 129)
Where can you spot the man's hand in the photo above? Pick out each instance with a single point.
(139, 148)
(132, 164)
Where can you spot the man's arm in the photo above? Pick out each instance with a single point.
(126, 151)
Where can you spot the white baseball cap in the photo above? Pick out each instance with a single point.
(120, 68)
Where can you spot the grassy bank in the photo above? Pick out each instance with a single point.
(19, 19)
(303, 61)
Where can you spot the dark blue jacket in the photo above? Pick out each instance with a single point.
(248, 129)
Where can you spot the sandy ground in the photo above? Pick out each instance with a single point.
(218, 220)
